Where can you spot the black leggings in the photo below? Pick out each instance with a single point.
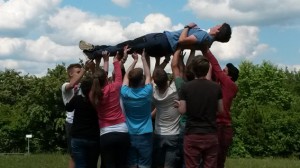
(155, 44)
(114, 149)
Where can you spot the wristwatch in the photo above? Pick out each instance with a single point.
(187, 26)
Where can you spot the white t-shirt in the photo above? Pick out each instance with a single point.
(167, 116)
(67, 95)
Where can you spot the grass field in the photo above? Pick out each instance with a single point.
(61, 161)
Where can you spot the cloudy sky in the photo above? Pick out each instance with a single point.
(39, 34)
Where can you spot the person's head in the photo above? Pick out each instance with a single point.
(99, 81)
(222, 33)
(231, 71)
(200, 66)
(136, 77)
(72, 69)
(189, 73)
(160, 78)
(86, 85)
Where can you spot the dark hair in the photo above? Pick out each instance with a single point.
(99, 81)
(86, 85)
(135, 77)
(233, 72)
(224, 33)
(200, 66)
(189, 73)
(71, 66)
(160, 77)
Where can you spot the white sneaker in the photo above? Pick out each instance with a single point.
(86, 46)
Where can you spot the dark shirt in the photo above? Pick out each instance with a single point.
(85, 122)
(201, 98)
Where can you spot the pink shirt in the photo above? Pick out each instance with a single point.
(109, 109)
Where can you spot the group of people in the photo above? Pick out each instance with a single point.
(190, 111)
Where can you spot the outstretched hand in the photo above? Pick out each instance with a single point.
(144, 54)
(135, 56)
(105, 55)
(116, 57)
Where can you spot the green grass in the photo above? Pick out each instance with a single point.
(61, 161)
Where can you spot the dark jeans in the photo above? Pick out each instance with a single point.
(68, 127)
(85, 152)
(225, 135)
(140, 152)
(197, 146)
(114, 149)
(155, 44)
(165, 151)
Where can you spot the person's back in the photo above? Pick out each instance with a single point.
(136, 94)
(200, 100)
(167, 117)
(137, 105)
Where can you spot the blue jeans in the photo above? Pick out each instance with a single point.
(85, 152)
(140, 152)
(155, 44)
(165, 150)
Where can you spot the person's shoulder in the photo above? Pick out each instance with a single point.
(63, 86)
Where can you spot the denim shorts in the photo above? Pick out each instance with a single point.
(165, 150)
(140, 152)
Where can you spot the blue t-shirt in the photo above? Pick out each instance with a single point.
(203, 38)
(137, 105)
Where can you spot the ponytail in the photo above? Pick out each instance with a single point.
(99, 82)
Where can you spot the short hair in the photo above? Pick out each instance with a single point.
(189, 73)
(135, 77)
(160, 77)
(233, 72)
(71, 66)
(224, 33)
(200, 66)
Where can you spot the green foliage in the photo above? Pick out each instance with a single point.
(266, 112)
(31, 105)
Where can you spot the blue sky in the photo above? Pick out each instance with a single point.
(39, 34)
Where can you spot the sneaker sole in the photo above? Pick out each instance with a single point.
(85, 46)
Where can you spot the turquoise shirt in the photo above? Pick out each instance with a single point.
(203, 38)
(137, 105)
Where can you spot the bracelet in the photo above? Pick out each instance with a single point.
(187, 26)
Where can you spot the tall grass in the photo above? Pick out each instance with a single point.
(61, 161)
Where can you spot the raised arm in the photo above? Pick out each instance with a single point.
(146, 68)
(125, 55)
(135, 59)
(75, 80)
(117, 70)
(175, 64)
(105, 61)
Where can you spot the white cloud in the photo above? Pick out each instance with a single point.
(80, 25)
(244, 43)
(255, 12)
(22, 16)
(122, 3)
(155, 22)
(289, 67)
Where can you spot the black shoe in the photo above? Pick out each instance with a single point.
(86, 46)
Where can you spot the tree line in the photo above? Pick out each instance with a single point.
(265, 113)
